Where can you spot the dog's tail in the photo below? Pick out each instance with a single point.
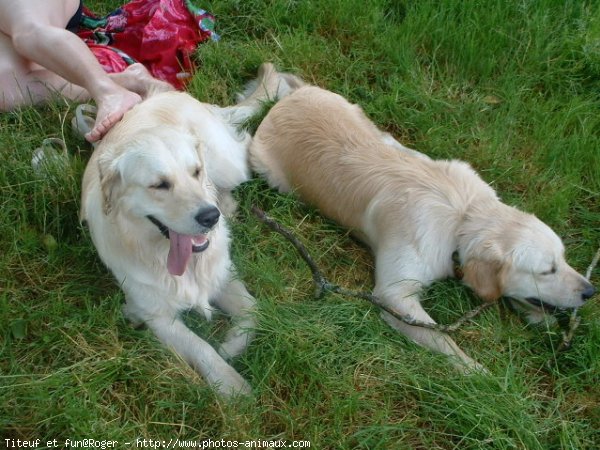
(261, 93)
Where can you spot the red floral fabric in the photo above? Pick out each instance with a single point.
(161, 34)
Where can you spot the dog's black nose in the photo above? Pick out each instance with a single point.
(208, 217)
(588, 292)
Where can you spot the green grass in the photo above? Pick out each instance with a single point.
(511, 87)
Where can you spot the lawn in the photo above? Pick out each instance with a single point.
(512, 87)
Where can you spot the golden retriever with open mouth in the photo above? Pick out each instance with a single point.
(154, 196)
(413, 212)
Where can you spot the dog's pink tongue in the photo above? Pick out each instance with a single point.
(179, 253)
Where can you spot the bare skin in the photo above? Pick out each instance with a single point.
(138, 79)
(39, 58)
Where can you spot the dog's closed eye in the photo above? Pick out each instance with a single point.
(196, 173)
(552, 271)
(162, 185)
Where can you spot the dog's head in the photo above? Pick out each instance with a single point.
(156, 180)
(514, 254)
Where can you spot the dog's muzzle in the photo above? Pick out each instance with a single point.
(164, 230)
(545, 306)
(161, 226)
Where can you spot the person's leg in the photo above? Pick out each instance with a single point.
(23, 83)
(36, 29)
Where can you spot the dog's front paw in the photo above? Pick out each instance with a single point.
(132, 316)
(231, 384)
(235, 343)
(471, 367)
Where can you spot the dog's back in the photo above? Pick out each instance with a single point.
(316, 143)
(313, 142)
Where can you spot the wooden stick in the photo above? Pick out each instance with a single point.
(575, 320)
(592, 266)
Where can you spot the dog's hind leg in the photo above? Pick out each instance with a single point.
(269, 85)
(200, 355)
(237, 302)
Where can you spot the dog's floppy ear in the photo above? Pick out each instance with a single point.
(225, 160)
(485, 278)
(109, 178)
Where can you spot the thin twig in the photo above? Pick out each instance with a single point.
(567, 336)
(319, 280)
(575, 320)
(322, 285)
(593, 265)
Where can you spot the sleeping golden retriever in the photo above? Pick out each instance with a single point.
(154, 196)
(413, 212)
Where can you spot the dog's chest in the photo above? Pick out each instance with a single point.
(203, 281)
(189, 294)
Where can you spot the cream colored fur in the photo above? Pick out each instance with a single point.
(412, 211)
(173, 158)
